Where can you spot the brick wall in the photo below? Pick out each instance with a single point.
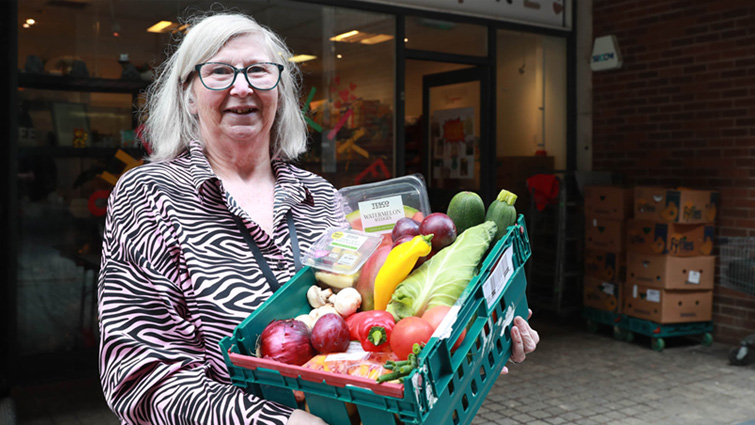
(681, 112)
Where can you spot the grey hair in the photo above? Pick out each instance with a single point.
(170, 126)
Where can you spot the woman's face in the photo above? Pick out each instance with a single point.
(239, 113)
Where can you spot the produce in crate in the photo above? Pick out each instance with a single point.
(442, 227)
(323, 301)
(422, 260)
(402, 239)
(330, 334)
(432, 392)
(405, 226)
(397, 266)
(366, 282)
(466, 209)
(503, 212)
(371, 365)
(355, 217)
(402, 368)
(442, 279)
(372, 329)
(286, 341)
(347, 301)
(408, 332)
(435, 315)
(336, 280)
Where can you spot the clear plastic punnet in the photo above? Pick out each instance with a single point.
(341, 250)
(376, 207)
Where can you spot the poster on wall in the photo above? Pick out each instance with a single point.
(453, 143)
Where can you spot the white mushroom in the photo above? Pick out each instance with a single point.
(322, 310)
(307, 320)
(317, 296)
(347, 301)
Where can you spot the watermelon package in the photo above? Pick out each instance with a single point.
(376, 207)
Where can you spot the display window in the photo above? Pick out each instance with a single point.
(385, 92)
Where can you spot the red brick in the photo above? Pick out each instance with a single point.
(687, 95)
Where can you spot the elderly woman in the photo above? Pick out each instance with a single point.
(205, 232)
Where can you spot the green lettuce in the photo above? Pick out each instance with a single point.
(442, 278)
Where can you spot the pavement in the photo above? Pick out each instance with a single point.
(578, 377)
(574, 377)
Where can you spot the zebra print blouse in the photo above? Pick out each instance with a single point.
(176, 277)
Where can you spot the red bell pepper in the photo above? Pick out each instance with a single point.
(372, 329)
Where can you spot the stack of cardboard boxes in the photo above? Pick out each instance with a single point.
(607, 210)
(669, 267)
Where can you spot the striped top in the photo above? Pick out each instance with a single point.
(176, 277)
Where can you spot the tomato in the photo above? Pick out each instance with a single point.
(435, 315)
(407, 332)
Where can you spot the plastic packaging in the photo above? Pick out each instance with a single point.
(376, 207)
(354, 362)
(341, 250)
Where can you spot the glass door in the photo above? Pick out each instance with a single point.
(456, 140)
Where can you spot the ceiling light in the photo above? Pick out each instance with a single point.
(25, 25)
(162, 26)
(342, 37)
(362, 37)
(31, 21)
(339, 56)
(302, 58)
(375, 39)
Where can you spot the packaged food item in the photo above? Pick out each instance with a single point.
(376, 207)
(355, 362)
(339, 255)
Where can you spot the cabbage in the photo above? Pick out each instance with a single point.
(442, 278)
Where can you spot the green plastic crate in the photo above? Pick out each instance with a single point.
(446, 388)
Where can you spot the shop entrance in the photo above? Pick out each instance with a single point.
(447, 129)
(453, 103)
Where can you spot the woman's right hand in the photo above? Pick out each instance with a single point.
(301, 417)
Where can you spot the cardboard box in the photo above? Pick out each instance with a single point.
(685, 206)
(605, 234)
(606, 265)
(684, 240)
(602, 295)
(667, 306)
(613, 202)
(669, 272)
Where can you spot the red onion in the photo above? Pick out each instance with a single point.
(330, 334)
(286, 341)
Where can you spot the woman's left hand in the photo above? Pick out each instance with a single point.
(524, 340)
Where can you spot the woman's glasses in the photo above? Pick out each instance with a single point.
(220, 76)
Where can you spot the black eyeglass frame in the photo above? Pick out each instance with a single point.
(236, 72)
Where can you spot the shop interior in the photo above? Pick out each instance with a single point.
(79, 97)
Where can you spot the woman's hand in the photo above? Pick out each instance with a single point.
(301, 417)
(524, 340)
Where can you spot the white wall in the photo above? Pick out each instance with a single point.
(524, 97)
(519, 94)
